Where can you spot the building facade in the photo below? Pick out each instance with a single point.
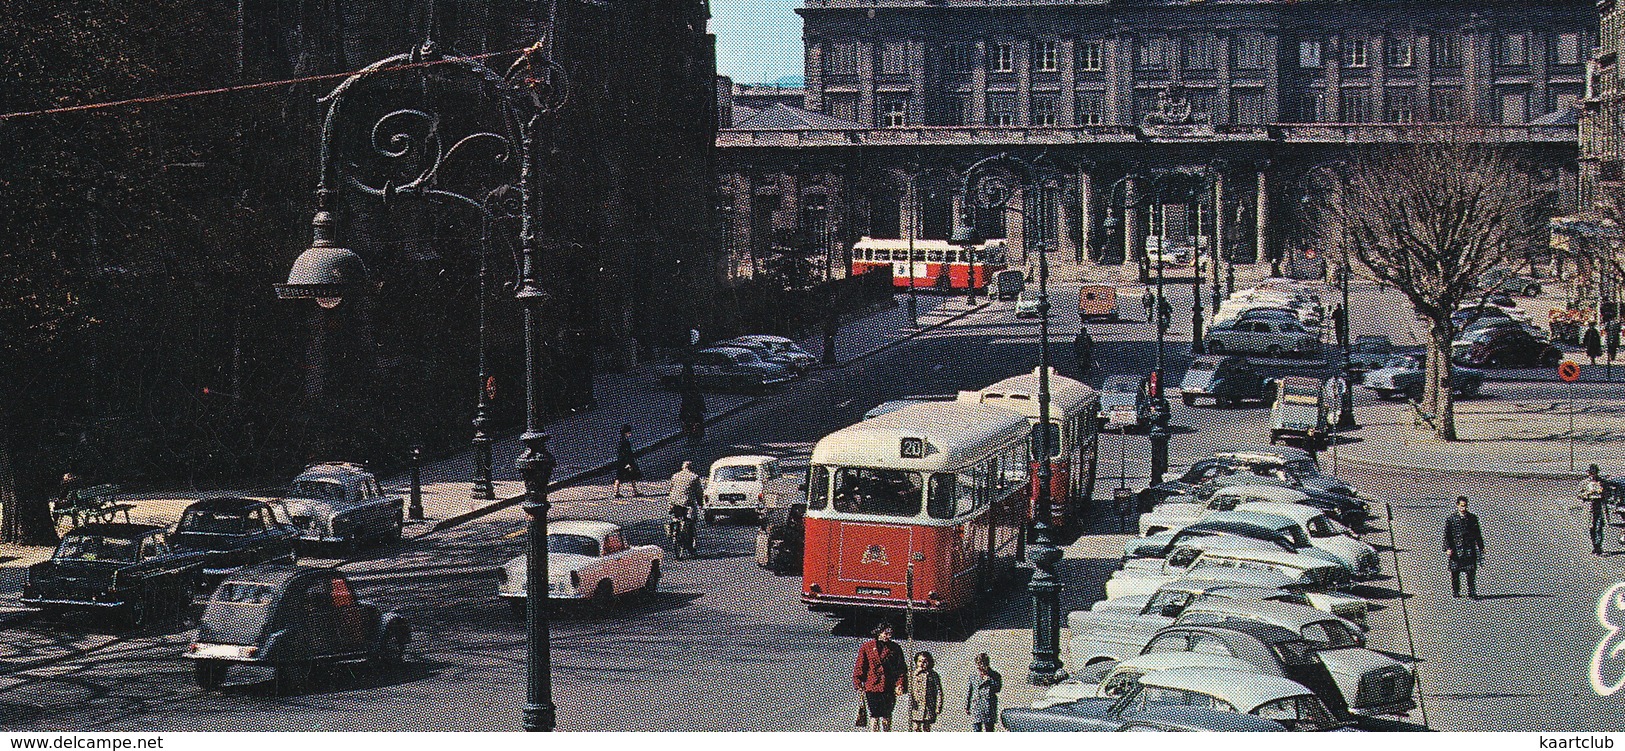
(1602, 119)
(1191, 120)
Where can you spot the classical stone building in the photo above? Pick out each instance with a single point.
(1191, 120)
(1602, 120)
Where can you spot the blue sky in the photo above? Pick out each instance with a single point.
(757, 40)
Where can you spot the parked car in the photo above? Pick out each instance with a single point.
(747, 486)
(1324, 535)
(1097, 302)
(1008, 283)
(1258, 530)
(1504, 347)
(1470, 314)
(1285, 462)
(235, 532)
(1280, 467)
(1244, 585)
(729, 369)
(586, 561)
(1402, 376)
(1272, 338)
(340, 503)
(1319, 580)
(1027, 305)
(1300, 411)
(1125, 403)
(767, 354)
(292, 619)
(1106, 679)
(781, 347)
(1266, 697)
(130, 569)
(1225, 379)
(1505, 281)
(1179, 511)
(1368, 352)
(1105, 716)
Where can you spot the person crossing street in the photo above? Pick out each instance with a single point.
(1593, 493)
(1464, 543)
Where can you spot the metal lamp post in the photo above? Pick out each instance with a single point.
(1345, 406)
(1161, 408)
(987, 182)
(532, 89)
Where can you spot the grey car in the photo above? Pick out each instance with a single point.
(1125, 396)
(1104, 716)
(729, 369)
(1402, 376)
(340, 503)
(1368, 352)
(1270, 337)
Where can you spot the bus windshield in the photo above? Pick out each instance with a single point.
(883, 492)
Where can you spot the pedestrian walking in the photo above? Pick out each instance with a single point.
(687, 497)
(1592, 492)
(982, 695)
(1149, 300)
(691, 413)
(1340, 322)
(1593, 342)
(1464, 542)
(1612, 340)
(1165, 317)
(879, 676)
(626, 464)
(924, 694)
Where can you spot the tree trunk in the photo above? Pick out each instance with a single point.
(1443, 398)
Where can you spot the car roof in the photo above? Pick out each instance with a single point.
(226, 503)
(1283, 615)
(1204, 719)
(762, 338)
(1277, 557)
(1170, 660)
(725, 349)
(1246, 694)
(583, 527)
(1255, 453)
(277, 574)
(1268, 633)
(114, 529)
(1205, 586)
(1274, 493)
(1291, 511)
(1225, 520)
(746, 460)
(333, 470)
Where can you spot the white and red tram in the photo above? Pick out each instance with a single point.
(939, 486)
(1073, 438)
(938, 264)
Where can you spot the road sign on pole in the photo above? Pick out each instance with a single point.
(1569, 371)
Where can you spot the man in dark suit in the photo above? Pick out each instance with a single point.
(1464, 542)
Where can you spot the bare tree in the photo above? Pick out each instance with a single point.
(1429, 219)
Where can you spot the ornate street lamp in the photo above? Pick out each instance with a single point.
(988, 185)
(532, 89)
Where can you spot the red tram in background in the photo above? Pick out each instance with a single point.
(937, 264)
(933, 494)
(1074, 438)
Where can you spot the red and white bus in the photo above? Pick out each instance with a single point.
(938, 487)
(1073, 438)
(938, 264)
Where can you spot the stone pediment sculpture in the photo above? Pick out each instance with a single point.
(1173, 117)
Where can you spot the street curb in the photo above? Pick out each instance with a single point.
(906, 337)
(503, 503)
(1504, 473)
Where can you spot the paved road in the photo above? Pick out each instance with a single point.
(727, 646)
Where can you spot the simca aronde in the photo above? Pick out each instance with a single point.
(235, 532)
(290, 619)
(586, 560)
(339, 503)
(129, 568)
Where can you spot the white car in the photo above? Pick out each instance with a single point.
(1326, 535)
(586, 560)
(1317, 579)
(1181, 511)
(747, 486)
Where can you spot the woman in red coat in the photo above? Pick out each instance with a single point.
(879, 675)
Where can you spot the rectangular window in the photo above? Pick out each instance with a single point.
(894, 58)
(1354, 106)
(958, 110)
(1150, 52)
(1401, 108)
(841, 59)
(1202, 52)
(1249, 107)
(1001, 110)
(1250, 52)
(1047, 57)
(882, 492)
(843, 106)
(1002, 57)
(1044, 109)
(1308, 108)
(894, 113)
(1090, 54)
(1309, 54)
(1354, 53)
(1514, 49)
(1400, 53)
(1445, 105)
(1514, 108)
(1447, 51)
(1564, 101)
(1091, 108)
(1566, 49)
(958, 57)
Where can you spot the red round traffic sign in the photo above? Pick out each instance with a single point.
(1569, 371)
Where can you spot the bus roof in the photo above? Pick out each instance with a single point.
(919, 244)
(954, 434)
(1020, 394)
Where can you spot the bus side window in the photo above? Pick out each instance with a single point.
(817, 487)
(967, 498)
(940, 503)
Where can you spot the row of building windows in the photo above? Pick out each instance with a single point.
(1202, 52)
(1248, 107)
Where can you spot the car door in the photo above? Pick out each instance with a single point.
(617, 563)
(256, 538)
(352, 621)
(318, 618)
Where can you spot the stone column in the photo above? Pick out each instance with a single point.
(1086, 213)
(1223, 113)
(1540, 51)
(815, 75)
(1272, 78)
(1119, 62)
(1133, 228)
(866, 83)
(1262, 213)
(1068, 116)
(1378, 60)
(1422, 58)
(978, 84)
(1476, 72)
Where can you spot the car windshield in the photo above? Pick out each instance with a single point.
(1320, 526)
(208, 522)
(97, 548)
(573, 545)
(735, 473)
(1330, 635)
(244, 593)
(1303, 468)
(320, 490)
(885, 492)
(1296, 652)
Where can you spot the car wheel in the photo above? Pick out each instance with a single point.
(136, 611)
(651, 583)
(291, 677)
(209, 673)
(1469, 389)
(517, 608)
(391, 650)
(1189, 399)
(603, 596)
(1551, 358)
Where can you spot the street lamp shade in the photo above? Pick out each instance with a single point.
(325, 272)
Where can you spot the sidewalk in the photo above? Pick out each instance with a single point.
(1508, 437)
(584, 443)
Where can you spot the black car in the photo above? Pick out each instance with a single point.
(1503, 346)
(235, 532)
(126, 568)
(1208, 475)
(1272, 649)
(291, 618)
(1227, 380)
